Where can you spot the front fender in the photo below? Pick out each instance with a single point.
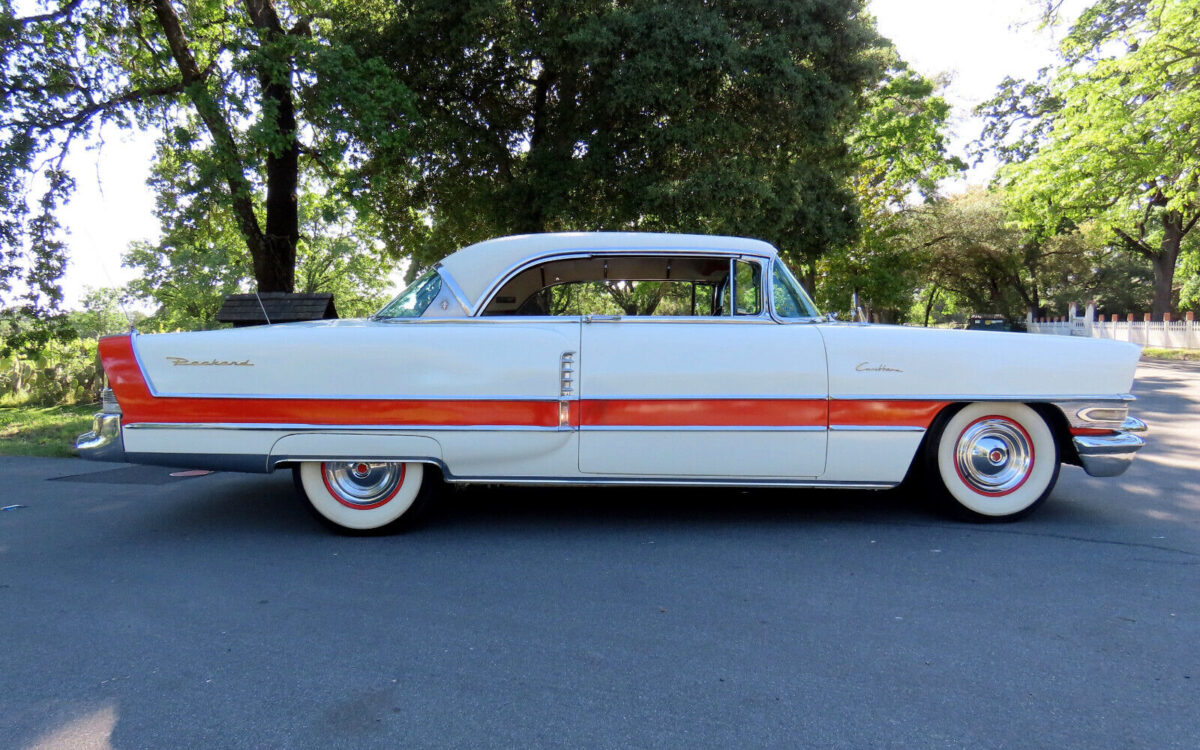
(908, 362)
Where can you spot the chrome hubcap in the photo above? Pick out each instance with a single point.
(994, 456)
(363, 484)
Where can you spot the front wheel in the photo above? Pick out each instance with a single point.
(365, 497)
(992, 461)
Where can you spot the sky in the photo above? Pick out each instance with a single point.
(975, 43)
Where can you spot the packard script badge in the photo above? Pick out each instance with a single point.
(181, 361)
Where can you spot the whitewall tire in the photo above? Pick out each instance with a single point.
(364, 496)
(992, 461)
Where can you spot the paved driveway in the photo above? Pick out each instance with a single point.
(140, 610)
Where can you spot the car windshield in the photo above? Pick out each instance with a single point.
(791, 301)
(413, 301)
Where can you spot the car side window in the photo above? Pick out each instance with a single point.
(747, 286)
(640, 298)
(789, 297)
(660, 286)
(787, 305)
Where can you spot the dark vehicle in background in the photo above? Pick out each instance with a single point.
(992, 323)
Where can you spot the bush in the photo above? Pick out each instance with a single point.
(62, 372)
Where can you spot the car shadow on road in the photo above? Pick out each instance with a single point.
(253, 504)
(591, 507)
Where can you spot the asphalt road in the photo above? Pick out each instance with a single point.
(138, 610)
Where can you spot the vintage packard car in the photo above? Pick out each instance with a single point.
(617, 359)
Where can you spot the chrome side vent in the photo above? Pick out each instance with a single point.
(566, 388)
(567, 374)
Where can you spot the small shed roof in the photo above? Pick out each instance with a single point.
(281, 307)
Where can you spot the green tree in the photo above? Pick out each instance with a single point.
(976, 255)
(1109, 134)
(343, 259)
(103, 313)
(1189, 266)
(250, 95)
(897, 145)
(188, 273)
(970, 252)
(635, 114)
(186, 278)
(1086, 264)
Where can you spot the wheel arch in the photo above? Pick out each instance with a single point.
(290, 463)
(300, 447)
(1051, 414)
(916, 464)
(1061, 429)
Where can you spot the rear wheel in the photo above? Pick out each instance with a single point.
(992, 461)
(365, 497)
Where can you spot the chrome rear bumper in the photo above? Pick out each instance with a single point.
(104, 442)
(1110, 455)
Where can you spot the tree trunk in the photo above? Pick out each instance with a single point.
(531, 218)
(1164, 263)
(1033, 298)
(275, 271)
(275, 265)
(933, 292)
(278, 267)
(808, 276)
(229, 160)
(273, 252)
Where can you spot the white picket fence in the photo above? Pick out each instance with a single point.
(1174, 334)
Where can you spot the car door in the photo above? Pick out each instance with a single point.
(731, 396)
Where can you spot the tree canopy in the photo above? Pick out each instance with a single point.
(593, 114)
(251, 96)
(1109, 134)
(897, 144)
(972, 250)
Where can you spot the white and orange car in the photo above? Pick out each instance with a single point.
(616, 359)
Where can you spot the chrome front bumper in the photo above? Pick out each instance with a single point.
(1110, 455)
(104, 442)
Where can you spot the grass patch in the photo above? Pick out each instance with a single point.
(43, 431)
(1179, 355)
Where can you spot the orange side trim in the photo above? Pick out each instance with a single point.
(711, 412)
(884, 413)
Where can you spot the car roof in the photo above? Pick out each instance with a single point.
(476, 268)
